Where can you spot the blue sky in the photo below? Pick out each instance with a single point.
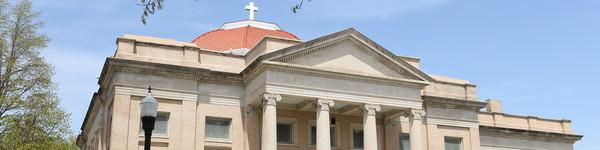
(540, 57)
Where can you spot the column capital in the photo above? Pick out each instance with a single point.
(417, 113)
(271, 99)
(370, 126)
(324, 104)
(371, 109)
(251, 111)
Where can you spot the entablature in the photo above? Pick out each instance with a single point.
(528, 134)
(451, 103)
(297, 80)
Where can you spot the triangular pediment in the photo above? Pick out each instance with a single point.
(346, 57)
(350, 52)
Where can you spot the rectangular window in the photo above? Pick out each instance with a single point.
(357, 138)
(217, 128)
(313, 135)
(161, 126)
(285, 133)
(404, 141)
(452, 143)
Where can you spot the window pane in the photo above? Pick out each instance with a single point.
(313, 135)
(217, 127)
(357, 138)
(332, 136)
(404, 141)
(161, 125)
(284, 133)
(452, 143)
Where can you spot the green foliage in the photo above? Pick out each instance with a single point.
(30, 115)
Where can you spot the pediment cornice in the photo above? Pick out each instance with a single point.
(357, 39)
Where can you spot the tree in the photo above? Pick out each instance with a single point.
(151, 6)
(30, 115)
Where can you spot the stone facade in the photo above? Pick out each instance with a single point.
(342, 83)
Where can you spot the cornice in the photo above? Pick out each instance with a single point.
(452, 122)
(453, 103)
(354, 41)
(336, 37)
(519, 116)
(91, 106)
(519, 133)
(267, 37)
(157, 92)
(187, 47)
(458, 84)
(315, 72)
(383, 50)
(171, 71)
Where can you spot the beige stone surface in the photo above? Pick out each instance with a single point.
(345, 67)
(346, 57)
(493, 106)
(503, 120)
(451, 88)
(268, 44)
(414, 61)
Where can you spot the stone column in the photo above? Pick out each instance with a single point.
(370, 126)
(323, 125)
(416, 138)
(269, 121)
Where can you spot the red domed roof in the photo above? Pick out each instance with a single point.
(228, 38)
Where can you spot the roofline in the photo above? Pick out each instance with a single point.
(475, 104)
(184, 46)
(280, 28)
(410, 57)
(352, 32)
(245, 40)
(512, 131)
(90, 106)
(273, 37)
(527, 116)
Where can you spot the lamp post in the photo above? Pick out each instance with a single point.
(148, 108)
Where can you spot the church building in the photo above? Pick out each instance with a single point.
(250, 85)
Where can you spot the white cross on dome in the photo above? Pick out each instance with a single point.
(251, 9)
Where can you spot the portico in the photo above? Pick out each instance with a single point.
(321, 110)
(376, 92)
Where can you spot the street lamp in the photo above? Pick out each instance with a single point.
(148, 108)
